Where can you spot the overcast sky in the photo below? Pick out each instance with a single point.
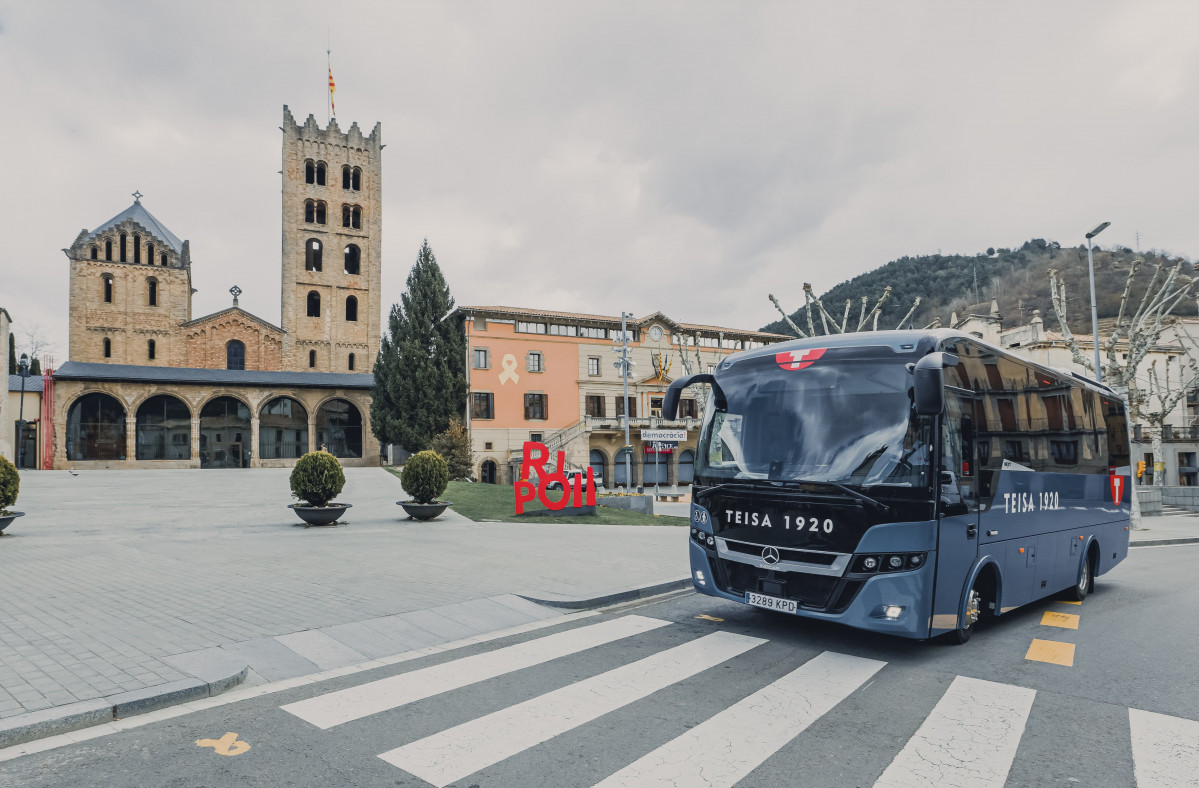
(688, 157)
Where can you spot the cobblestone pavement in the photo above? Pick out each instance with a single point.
(111, 572)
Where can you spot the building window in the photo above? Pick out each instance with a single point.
(482, 405)
(345, 176)
(149, 254)
(530, 328)
(563, 331)
(345, 216)
(655, 407)
(595, 405)
(632, 407)
(96, 428)
(320, 213)
(163, 430)
(535, 437)
(235, 354)
(593, 367)
(309, 171)
(283, 429)
(353, 259)
(95, 252)
(1064, 452)
(107, 248)
(309, 211)
(150, 350)
(688, 409)
(320, 173)
(350, 364)
(124, 244)
(311, 359)
(163, 259)
(536, 407)
(356, 179)
(534, 362)
(312, 255)
(107, 347)
(314, 304)
(487, 446)
(351, 309)
(480, 358)
(107, 289)
(594, 333)
(152, 291)
(137, 248)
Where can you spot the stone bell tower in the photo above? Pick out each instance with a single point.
(332, 246)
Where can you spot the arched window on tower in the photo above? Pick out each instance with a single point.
(309, 211)
(353, 259)
(311, 358)
(320, 212)
(124, 244)
(149, 254)
(356, 180)
(107, 347)
(235, 354)
(312, 256)
(345, 176)
(152, 291)
(356, 218)
(345, 216)
(137, 248)
(150, 350)
(95, 252)
(163, 257)
(107, 248)
(351, 362)
(352, 309)
(309, 171)
(320, 173)
(314, 304)
(108, 288)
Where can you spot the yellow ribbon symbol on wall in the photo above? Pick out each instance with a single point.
(226, 745)
(509, 373)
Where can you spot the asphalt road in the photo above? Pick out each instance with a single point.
(664, 695)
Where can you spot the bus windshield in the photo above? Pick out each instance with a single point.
(847, 420)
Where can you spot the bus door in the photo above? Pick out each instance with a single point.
(957, 506)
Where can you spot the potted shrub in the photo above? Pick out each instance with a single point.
(10, 485)
(425, 477)
(316, 480)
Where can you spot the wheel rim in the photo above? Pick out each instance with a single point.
(973, 608)
(1086, 576)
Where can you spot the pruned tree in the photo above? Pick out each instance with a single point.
(1137, 332)
(693, 365)
(867, 320)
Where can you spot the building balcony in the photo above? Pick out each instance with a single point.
(616, 423)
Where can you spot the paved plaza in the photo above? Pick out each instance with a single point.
(118, 582)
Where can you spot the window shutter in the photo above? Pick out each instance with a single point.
(528, 364)
(527, 399)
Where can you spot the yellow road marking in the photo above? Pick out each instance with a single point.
(1051, 651)
(1063, 620)
(706, 617)
(226, 745)
(1069, 602)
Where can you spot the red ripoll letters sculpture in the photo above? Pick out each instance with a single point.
(535, 457)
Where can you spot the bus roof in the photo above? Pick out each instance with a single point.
(917, 343)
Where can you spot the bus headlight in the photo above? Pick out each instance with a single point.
(892, 562)
(892, 611)
(870, 563)
(895, 562)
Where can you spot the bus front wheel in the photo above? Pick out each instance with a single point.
(1079, 590)
(973, 612)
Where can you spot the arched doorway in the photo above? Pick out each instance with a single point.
(654, 468)
(96, 428)
(620, 470)
(225, 434)
(164, 429)
(595, 459)
(687, 467)
(487, 472)
(282, 429)
(339, 428)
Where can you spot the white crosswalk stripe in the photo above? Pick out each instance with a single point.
(730, 745)
(335, 708)
(968, 740)
(465, 749)
(1165, 750)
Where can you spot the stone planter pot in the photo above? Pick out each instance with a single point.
(7, 519)
(424, 511)
(320, 515)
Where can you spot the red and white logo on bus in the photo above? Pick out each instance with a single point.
(798, 359)
(1117, 488)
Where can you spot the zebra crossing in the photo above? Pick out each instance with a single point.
(970, 738)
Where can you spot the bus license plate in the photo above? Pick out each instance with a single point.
(771, 602)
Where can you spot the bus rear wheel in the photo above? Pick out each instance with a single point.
(1079, 590)
(974, 611)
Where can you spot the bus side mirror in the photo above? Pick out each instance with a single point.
(670, 405)
(928, 383)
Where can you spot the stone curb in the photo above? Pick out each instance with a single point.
(64, 719)
(1160, 542)
(573, 603)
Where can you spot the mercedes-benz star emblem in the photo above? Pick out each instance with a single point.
(770, 555)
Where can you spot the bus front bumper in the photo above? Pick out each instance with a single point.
(897, 603)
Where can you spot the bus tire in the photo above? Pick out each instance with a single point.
(970, 618)
(1086, 579)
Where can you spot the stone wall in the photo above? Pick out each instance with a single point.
(1150, 499)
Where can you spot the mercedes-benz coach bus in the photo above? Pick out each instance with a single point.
(907, 482)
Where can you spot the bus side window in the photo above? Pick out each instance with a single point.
(956, 482)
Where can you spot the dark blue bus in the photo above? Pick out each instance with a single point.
(908, 482)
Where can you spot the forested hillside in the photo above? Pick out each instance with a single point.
(1015, 277)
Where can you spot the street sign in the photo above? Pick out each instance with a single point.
(661, 447)
(664, 435)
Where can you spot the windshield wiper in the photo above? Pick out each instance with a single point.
(758, 484)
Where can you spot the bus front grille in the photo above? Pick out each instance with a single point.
(809, 590)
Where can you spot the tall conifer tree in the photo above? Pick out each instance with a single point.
(12, 354)
(420, 374)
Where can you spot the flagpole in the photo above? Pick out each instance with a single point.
(328, 92)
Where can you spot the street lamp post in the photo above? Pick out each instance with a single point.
(23, 371)
(1094, 308)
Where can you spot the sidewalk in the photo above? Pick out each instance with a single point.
(134, 589)
(1172, 529)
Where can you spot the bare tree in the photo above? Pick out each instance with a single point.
(1161, 397)
(693, 365)
(34, 343)
(867, 320)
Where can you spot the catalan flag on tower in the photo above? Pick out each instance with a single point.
(332, 90)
